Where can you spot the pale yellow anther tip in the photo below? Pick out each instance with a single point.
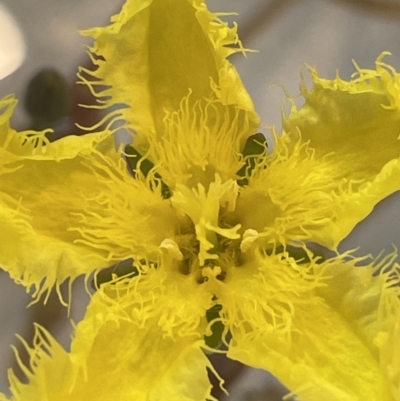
(248, 238)
(172, 248)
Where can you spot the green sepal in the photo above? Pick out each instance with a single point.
(136, 161)
(217, 328)
(125, 268)
(300, 255)
(255, 147)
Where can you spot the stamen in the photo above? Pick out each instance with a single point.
(248, 239)
(228, 199)
(172, 248)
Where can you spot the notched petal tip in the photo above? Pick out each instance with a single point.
(352, 128)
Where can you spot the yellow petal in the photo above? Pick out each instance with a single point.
(52, 370)
(289, 197)
(280, 322)
(369, 298)
(199, 141)
(353, 127)
(66, 209)
(157, 53)
(140, 342)
(341, 150)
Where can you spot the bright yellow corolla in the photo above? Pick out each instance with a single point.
(211, 221)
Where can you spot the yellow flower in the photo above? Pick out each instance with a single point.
(210, 220)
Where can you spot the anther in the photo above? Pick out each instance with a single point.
(172, 248)
(248, 238)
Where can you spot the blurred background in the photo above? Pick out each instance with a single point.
(42, 39)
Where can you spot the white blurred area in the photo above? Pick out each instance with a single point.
(50, 31)
(326, 34)
(12, 44)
